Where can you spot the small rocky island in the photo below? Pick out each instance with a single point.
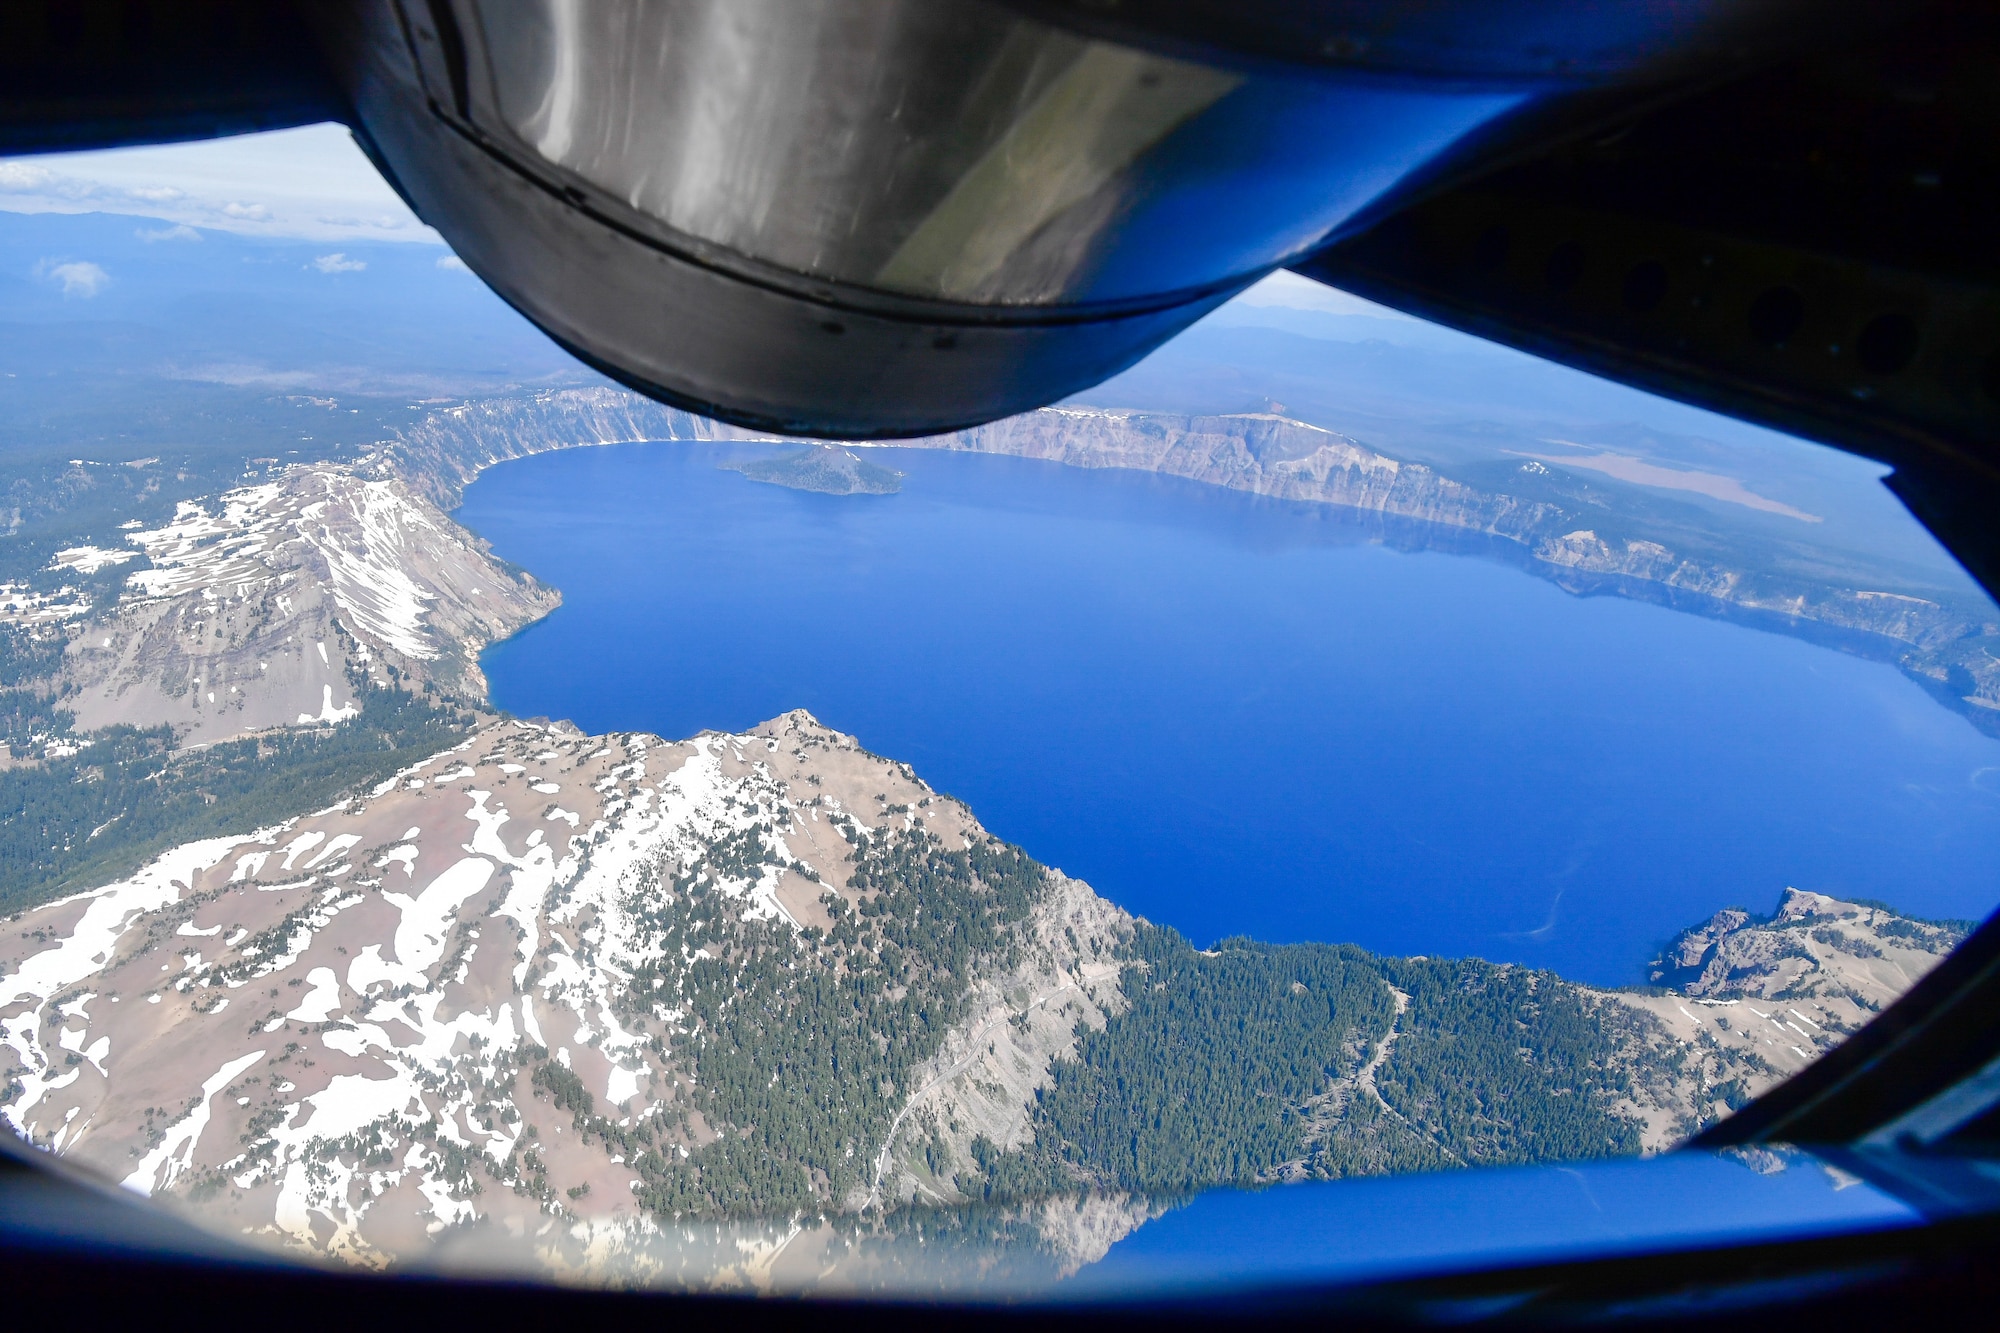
(826, 468)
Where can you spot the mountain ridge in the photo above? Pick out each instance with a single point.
(1945, 649)
(270, 605)
(607, 984)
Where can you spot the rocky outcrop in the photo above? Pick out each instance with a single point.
(1812, 947)
(265, 606)
(826, 469)
(1754, 1000)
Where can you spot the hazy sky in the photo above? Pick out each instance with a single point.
(313, 183)
(1297, 293)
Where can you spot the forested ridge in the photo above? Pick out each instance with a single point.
(799, 1044)
(1498, 1065)
(798, 1049)
(1250, 1064)
(1242, 1065)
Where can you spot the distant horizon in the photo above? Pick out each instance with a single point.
(310, 183)
(314, 184)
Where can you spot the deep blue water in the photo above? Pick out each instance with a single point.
(1236, 715)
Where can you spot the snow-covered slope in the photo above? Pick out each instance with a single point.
(373, 1024)
(262, 605)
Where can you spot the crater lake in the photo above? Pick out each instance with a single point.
(1235, 715)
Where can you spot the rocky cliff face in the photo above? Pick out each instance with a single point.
(1266, 454)
(262, 607)
(440, 457)
(1582, 561)
(1258, 453)
(982, 1081)
(1270, 455)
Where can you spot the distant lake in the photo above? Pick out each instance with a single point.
(1243, 716)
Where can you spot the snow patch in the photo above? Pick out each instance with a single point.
(327, 712)
(176, 1152)
(426, 918)
(322, 999)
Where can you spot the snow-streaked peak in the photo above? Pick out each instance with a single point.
(367, 535)
(267, 606)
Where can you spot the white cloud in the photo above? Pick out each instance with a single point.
(156, 194)
(20, 176)
(339, 263)
(453, 262)
(243, 212)
(347, 222)
(183, 232)
(78, 277)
